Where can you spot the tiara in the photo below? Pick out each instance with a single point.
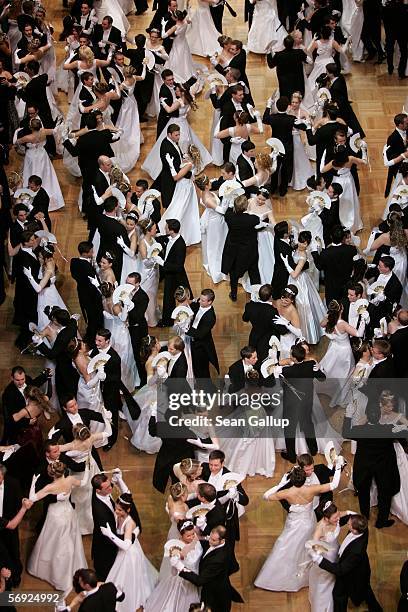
(84, 428)
(327, 505)
(123, 501)
(108, 256)
(48, 249)
(186, 524)
(289, 291)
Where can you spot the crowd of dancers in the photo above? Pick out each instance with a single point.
(305, 279)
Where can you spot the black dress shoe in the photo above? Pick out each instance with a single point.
(232, 296)
(287, 457)
(388, 523)
(380, 59)
(390, 70)
(107, 448)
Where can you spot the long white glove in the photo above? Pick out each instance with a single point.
(93, 281)
(275, 489)
(100, 374)
(201, 522)
(118, 480)
(123, 315)
(285, 258)
(32, 495)
(296, 331)
(33, 283)
(124, 246)
(158, 260)
(170, 161)
(380, 297)
(176, 562)
(259, 123)
(336, 479)
(122, 544)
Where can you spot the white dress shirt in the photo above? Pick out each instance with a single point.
(211, 548)
(106, 499)
(172, 362)
(201, 311)
(350, 537)
(1, 497)
(74, 418)
(216, 480)
(170, 243)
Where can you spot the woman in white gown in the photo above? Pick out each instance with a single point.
(146, 398)
(308, 302)
(325, 48)
(184, 203)
(352, 20)
(58, 551)
(47, 292)
(286, 307)
(184, 103)
(267, 32)
(155, 46)
(213, 230)
(36, 161)
(80, 451)
(283, 569)
(116, 320)
(338, 361)
(130, 259)
(173, 593)
(180, 61)
(321, 582)
(302, 168)
(181, 325)
(131, 570)
(240, 132)
(127, 149)
(396, 239)
(149, 255)
(349, 210)
(202, 35)
(401, 180)
(113, 9)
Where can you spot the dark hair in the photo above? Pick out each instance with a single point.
(290, 292)
(337, 188)
(217, 454)
(140, 40)
(389, 262)
(282, 103)
(19, 208)
(91, 123)
(330, 510)
(229, 167)
(146, 347)
(178, 343)
(281, 229)
(247, 351)
(208, 491)
(84, 247)
(337, 234)
(183, 526)
(305, 236)
(26, 236)
(400, 118)
(35, 179)
(304, 460)
(356, 287)
(332, 110)
(359, 523)
(142, 183)
(104, 333)
(298, 352)
(209, 294)
(332, 68)
(265, 292)
(166, 73)
(85, 76)
(108, 18)
(61, 316)
(237, 43)
(312, 182)
(136, 276)
(88, 576)
(297, 477)
(383, 346)
(33, 65)
(288, 42)
(110, 204)
(126, 503)
(67, 398)
(325, 32)
(373, 413)
(173, 225)
(98, 480)
(180, 15)
(106, 289)
(17, 370)
(247, 145)
(333, 315)
(236, 89)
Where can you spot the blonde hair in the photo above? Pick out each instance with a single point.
(263, 161)
(129, 71)
(86, 54)
(189, 468)
(178, 490)
(81, 432)
(194, 154)
(56, 469)
(397, 234)
(146, 225)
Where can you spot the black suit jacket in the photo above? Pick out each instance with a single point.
(241, 244)
(115, 36)
(89, 297)
(289, 70)
(261, 315)
(112, 383)
(110, 229)
(88, 148)
(104, 600)
(12, 401)
(337, 264)
(165, 180)
(282, 126)
(173, 273)
(395, 147)
(322, 138)
(216, 589)
(137, 316)
(245, 171)
(63, 427)
(103, 551)
(392, 292)
(280, 274)
(25, 298)
(66, 376)
(238, 61)
(201, 338)
(12, 499)
(399, 347)
(339, 94)
(35, 93)
(40, 203)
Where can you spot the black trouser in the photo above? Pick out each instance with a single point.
(217, 13)
(283, 174)
(401, 39)
(340, 601)
(253, 273)
(371, 32)
(384, 500)
(93, 317)
(136, 340)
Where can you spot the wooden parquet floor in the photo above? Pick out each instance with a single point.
(376, 98)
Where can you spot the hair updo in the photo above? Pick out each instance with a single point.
(178, 490)
(56, 469)
(181, 294)
(297, 477)
(333, 315)
(81, 432)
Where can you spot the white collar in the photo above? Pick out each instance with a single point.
(377, 361)
(350, 537)
(28, 250)
(247, 366)
(175, 357)
(88, 593)
(85, 259)
(211, 548)
(104, 350)
(173, 238)
(402, 133)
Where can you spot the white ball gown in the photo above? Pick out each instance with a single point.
(214, 231)
(349, 209)
(48, 296)
(150, 283)
(266, 31)
(309, 305)
(127, 148)
(82, 496)
(202, 35)
(337, 364)
(89, 396)
(153, 164)
(121, 342)
(325, 53)
(36, 161)
(184, 207)
(352, 20)
(175, 594)
(400, 270)
(112, 8)
(180, 60)
(58, 551)
(146, 398)
(134, 573)
(131, 263)
(321, 582)
(302, 168)
(282, 570)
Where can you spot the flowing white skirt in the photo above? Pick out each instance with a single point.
(213, 234)
(122, 345)
(184, 207)
(172, 594)
(250, 456)
(349, 210)
(48, 296)
(321, 584)
(302, 168)
(150, 284)
(310, 307)
(202, 35)
(82, 498)
(146, 397)
(127, 148)
(37, 162)
(267, 32)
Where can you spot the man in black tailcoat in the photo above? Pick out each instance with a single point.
(172, 270)
(25, 266)
(171, 158)
(240, 253)
(89, 296)
(98, 597)
(112, 381)
(289, 68)
(261, 315)
(11, 504)
(281, 247)
(352, 568)
(40, 201)
(203, 350)
(324, 135)
(396, 151)
(339, 96)
(246, 167)
(238, 370)
(233, 103)
(213, 573)
(137, 321)
(384, 290)
(112, 234)
(399, 343)
(297, 382)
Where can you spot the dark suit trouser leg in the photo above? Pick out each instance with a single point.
(233, 281)
(371, 601)
(290, 436)
(136, 344)
(115, 426)
(364, 497)
(384, 505)
(340, 603)
(403, 47)
(226, 144)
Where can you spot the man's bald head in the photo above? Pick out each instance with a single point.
(105, 163)
(403, 317)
